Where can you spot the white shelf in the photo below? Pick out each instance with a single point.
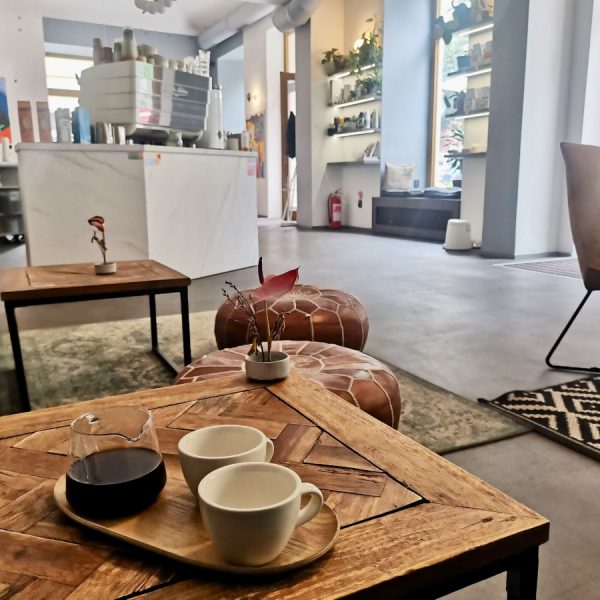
(9, 188)
(360, 132)
(475, 115)
(343, 74)
(8, 165)
(457, 74)
(478, 28)
(355, 102)
(354, 163)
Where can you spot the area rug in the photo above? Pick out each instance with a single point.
(568, 413)
(67, 364)
(562, 267)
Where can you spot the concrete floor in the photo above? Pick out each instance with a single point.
(455, 320)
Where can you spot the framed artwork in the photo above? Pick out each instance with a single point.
(256, 134)
(4, 120)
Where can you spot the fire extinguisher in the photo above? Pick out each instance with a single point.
(335, 210)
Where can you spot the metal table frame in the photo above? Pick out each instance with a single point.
(13, 329)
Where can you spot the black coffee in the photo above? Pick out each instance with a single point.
(115, 482)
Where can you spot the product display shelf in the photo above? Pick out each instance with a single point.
(349, 73)
(11, 217)
(354, 163)
(476, 28)
(364, 100)
(465, 155)
(477, 84)
(358, 132)
(474, 73)
(473, 115)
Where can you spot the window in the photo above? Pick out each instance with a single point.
(461, 90)
(62, 71)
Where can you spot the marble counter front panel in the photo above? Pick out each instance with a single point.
(195, 212)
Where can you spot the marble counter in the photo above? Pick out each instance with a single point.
(191, 209)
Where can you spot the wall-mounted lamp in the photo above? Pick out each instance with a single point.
(250, 97)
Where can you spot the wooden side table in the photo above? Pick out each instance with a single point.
(55, 284)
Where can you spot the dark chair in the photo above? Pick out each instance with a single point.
(583, 188)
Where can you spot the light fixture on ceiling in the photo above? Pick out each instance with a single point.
(153, 6)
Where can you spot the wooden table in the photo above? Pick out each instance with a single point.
(413, 524)
(54, 284)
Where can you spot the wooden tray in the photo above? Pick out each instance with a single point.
(172, 526)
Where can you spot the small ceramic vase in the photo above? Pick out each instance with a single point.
(277, 368)
(108, 268)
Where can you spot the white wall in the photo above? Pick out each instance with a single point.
(263, 58)
(324, 149)
(231, 77)
(356, 13)
(22, 58)
(541, 197)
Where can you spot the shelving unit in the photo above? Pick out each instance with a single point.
(472, 124)
(336, 85)
(11, 217)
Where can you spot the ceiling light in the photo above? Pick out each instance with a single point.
(153, 6)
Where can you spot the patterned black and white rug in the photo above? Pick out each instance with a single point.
(568, 413)
(563, 267)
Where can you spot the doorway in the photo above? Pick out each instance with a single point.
(289, 205)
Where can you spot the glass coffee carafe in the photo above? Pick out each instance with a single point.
(118, 468)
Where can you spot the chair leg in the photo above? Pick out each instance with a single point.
(560, 338)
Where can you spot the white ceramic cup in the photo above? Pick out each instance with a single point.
(250, 510)
(210, 448)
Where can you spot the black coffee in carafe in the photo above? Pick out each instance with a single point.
(117, 468)
(115, 482)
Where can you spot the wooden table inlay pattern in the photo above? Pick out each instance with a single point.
(409, 518)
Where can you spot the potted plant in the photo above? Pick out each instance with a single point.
(457, 138)
(334, 61)
(99, 236)
(367, 49)
(369, 85)
(262, 362)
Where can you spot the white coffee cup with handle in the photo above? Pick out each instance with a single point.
(250, 510)
(204, 450)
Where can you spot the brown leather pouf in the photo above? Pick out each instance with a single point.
(320, 315)
(352, 375)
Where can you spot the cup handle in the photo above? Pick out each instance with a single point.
(269, 449)
(313, 508)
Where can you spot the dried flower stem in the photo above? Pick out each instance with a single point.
(101, 241)
(247, 307)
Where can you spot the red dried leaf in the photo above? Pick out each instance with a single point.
(97, 222)
(275, 286)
